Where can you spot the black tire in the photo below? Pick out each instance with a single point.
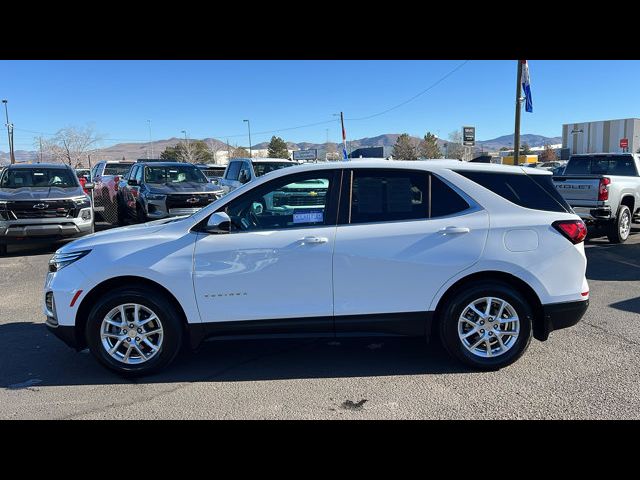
(616, 233)
(168, 317)
(3, 249)
(122, 212)
(141, 216)
(453, 309)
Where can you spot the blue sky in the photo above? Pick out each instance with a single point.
(211, 98)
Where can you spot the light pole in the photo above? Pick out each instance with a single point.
(150, 141)
(249, 127)
(9, 132)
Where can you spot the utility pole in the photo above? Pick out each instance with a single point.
(9, 132)
(516, 135)
(249, 127)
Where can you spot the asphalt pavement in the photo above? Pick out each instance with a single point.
(590, 371)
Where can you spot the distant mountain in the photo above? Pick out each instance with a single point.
(132, 151)
(507, 141)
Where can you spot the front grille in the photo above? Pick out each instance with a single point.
(299, 200)
(182, 200)
(46, 209)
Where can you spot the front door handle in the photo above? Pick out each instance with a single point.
(454, 230)
(309, 240)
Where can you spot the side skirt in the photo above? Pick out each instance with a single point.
(412, 324)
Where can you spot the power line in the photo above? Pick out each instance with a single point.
(437, 82)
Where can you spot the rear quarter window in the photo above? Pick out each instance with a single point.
(530, 191)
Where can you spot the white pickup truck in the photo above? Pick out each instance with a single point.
(604, 190)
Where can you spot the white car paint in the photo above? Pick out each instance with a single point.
(366, 268)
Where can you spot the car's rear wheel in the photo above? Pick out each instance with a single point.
(486, 325)
(134, 331)
(620, 229)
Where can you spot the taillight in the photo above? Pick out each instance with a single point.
(603, 189)
(574, 230)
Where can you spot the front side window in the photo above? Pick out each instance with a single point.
(293, 201)
(174, 174)
(39, 177)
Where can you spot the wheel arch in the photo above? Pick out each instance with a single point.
(630, 201)
(540, 330)
(82, 315)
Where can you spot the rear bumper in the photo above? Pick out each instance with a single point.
(592, 214)
(557, 316)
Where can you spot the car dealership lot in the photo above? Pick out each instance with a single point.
(591, 370)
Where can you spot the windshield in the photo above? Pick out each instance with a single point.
(38, 177)
(174, 174)
(622, 165)
(266, 167)
(120, 169)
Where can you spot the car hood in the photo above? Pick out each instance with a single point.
(182, 187)
(39, 193)
(121, 234)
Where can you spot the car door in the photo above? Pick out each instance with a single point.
(276, 261)
(394, 247)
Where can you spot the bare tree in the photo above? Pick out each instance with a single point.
(455, 148)
(71, 145)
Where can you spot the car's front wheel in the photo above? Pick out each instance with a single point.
(134, 331)
(486, 325)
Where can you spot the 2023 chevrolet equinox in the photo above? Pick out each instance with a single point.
(483, 256)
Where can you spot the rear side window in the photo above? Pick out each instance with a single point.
(394, 195)
(622, 165)
(530, 191)
(234, 170)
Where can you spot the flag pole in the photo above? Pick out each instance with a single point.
(516, 135)
(344, 138)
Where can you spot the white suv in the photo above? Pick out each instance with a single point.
(484, 256)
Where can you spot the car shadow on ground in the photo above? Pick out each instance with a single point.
(632, 305)
(613, 261)
(31, 356)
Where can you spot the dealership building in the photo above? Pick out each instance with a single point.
(602, 137)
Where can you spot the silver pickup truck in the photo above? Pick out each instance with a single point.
(42, 203)
(604, 190)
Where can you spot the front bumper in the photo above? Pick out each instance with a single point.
(557, 316)
(19, 231)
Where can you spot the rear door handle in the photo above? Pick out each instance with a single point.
(308, 240)
(453, 230)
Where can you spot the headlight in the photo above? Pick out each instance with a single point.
(61, 260)
(156, 196)
(82, 202)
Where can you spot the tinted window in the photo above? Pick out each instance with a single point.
(530, 191)
(174, 174)
(445, 200)
(138, 175)
(39, 177)
(389, 195)
(117, 169)
(622, 165)
(233, 171)
(291, 202)
(260, 168)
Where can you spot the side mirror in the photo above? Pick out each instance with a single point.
(89, 186)
(218, 222)
(244, 177)
(132, 182)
